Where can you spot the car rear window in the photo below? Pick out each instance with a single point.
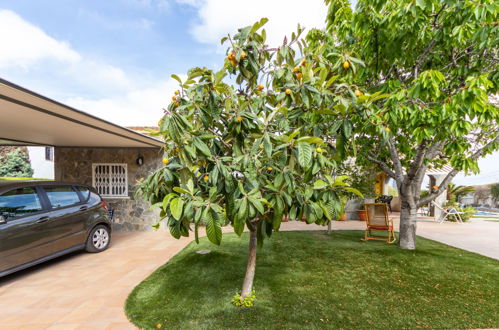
(61, 196)
(19, 202)
(85, 192)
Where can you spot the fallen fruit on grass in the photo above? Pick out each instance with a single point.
(346, 65)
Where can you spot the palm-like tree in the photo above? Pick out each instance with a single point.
(454, 191)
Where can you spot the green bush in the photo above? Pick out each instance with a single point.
(468, 212)
(16, 164)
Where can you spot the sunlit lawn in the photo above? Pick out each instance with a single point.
(315, 280)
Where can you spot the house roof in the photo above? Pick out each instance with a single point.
(441, 170)
(28, 118)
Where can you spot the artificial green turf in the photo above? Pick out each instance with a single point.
(315, 280)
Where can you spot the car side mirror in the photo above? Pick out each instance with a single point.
(2, 220)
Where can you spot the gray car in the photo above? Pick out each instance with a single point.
(41, 220)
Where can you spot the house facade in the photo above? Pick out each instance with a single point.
(86, 149)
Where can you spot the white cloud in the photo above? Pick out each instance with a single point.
(219, 17)
(101, 89)
(138, 107)
(24, 44)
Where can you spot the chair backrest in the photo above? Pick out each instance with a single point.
(439, 207)
(377, 214)
(384, 199)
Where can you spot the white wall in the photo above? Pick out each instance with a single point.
(43, 169)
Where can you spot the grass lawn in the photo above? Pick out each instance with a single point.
(11, 178)
(314, 280)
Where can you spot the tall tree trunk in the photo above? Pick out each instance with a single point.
(251, 265)
(408, 223)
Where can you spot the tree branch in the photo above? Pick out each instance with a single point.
(453, 173)
(396, 160)
(384, 167)
(418, 161)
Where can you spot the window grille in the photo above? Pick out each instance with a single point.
(110, 180)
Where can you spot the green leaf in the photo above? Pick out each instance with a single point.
(176, 208)
(213, 230)
(311, 139)
(180, 190)
(201, 146)
(167, 200)
(304, 154)
(319, 184)
(243, 210)
(257, 204)
(353, 190)
(238, 226)
(267, 146)
(174, 76)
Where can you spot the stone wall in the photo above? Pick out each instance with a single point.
(75, 165)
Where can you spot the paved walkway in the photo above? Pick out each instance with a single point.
(88, 291)
(84, 290)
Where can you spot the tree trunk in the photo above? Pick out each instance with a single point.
(329, 227)
(250, 268)
(408, 224)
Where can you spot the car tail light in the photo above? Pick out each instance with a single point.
(104, 205)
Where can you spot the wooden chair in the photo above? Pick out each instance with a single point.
(378, 220)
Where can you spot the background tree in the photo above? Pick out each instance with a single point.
(252, 151)
(454, 191)
(435, 63)
(16, 164)
(494, 191)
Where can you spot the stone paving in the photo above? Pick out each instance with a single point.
(88, 291)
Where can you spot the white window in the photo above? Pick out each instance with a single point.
(110, 180)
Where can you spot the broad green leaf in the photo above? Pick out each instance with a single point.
(176, 207)
(319, 184)
(304, 154)
(213, 230)
(311, 139)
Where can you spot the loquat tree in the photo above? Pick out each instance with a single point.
(252, 143)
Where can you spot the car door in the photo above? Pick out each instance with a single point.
(66, 217)
(22, 236)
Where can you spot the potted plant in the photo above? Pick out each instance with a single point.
(361, 212)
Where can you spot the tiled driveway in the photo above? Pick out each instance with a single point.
(83, 290)
(88, 291)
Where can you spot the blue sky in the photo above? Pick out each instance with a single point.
(114, 58)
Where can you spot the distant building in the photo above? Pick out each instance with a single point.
(42, 162)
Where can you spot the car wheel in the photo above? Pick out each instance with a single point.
(98, 240)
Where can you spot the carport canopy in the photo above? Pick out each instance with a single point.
(30, 119)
